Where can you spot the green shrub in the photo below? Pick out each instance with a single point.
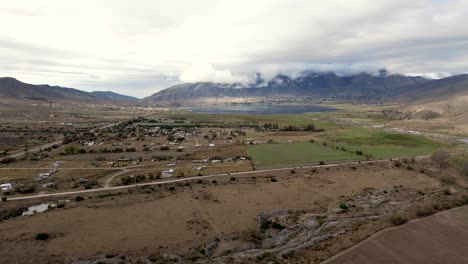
(343, 206)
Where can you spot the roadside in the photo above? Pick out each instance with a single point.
(109, 188)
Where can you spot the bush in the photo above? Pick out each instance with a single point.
(24, 189)
(164, 148)
(273, 180)
(448, 180)
(398, 220)
(42, 236)
(70, 150)
(7, 160)
(424, 211)
(232, 179)
(277, 226)
(343, 206)
(4, 199)
(321, 162)
(79, 198)
(293, 171)
(441, 157)
(397, 163)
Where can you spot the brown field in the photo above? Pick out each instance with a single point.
(437, 239)
(156, 220)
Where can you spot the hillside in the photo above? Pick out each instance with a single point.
(362, 87)
(108, 95)
(11, 88)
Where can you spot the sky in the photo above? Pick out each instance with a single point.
(137, 47)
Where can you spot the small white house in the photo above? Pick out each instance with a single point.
(44, 175)
(6, 187)
(167, 173)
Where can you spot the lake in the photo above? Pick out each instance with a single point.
(258, 109)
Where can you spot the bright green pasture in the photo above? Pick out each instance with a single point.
(380, 144)
(281, 154)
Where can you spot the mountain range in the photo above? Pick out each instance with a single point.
(364, 87)
(329, 86)
(11, 88)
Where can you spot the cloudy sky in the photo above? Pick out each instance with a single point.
(137, 47)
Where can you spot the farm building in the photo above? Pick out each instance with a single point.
(167, 173)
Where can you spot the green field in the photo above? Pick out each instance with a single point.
(342, 147)
(276, 155)
(380, 144)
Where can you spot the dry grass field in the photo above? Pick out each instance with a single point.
(154, 221)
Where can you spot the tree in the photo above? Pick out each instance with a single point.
(441, 157)
(70, 150)
(309, 127)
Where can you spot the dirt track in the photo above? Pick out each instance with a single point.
(441, 238)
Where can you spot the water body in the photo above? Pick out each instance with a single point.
(258, 109)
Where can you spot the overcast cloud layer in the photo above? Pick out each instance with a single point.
(137, 47)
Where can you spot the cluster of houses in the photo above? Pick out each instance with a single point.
(217, 160)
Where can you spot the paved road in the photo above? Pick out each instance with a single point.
(191, 179)
(49, 145)
(36, 149)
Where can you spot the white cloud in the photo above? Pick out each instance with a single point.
(204, 72)
(148, 45)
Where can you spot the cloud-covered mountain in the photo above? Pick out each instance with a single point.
(361, 87)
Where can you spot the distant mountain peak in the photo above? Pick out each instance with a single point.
(11, 88)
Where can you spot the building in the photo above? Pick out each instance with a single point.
(48, 185)
(6, 187)
(167, 173)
